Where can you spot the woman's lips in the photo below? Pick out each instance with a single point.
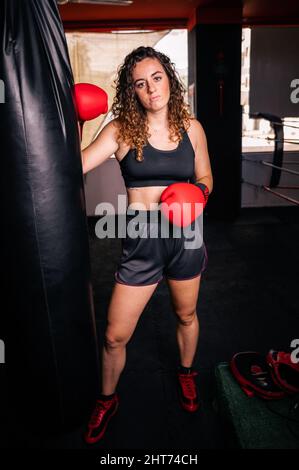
(154, 98)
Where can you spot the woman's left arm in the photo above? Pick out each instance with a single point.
(202, 171)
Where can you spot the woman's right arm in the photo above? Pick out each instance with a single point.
(101, 148)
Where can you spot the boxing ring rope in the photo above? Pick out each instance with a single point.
(283, 196)
(276, 193)
(269, 139)
(251, 160)
(287, 162)
(281, 168)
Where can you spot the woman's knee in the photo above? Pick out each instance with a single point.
(115, 341)
(187, 316)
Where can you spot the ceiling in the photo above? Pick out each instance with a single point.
(159, 14)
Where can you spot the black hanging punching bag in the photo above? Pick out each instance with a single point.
(48, 324)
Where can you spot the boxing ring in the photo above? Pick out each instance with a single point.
(277, 163)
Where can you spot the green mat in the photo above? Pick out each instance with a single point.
(256, 423)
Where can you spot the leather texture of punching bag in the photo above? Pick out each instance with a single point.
(48, 324)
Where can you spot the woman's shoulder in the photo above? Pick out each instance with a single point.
(112, 130)
(113, 125)
(123, 147)
(195, 130)
(194, 126)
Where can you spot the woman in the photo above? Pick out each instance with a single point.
(157, 143)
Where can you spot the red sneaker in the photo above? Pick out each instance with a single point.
(103, 412)
(188, 392)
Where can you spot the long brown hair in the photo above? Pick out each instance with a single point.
(130, 114)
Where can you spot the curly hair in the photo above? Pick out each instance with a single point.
(130, 114)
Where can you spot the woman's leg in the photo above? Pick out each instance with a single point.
(184, 295)
(126, 305)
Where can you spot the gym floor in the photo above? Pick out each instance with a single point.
(248, 301)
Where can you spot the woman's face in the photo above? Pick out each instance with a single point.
(151, 84)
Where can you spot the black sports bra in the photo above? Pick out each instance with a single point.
(159, 167)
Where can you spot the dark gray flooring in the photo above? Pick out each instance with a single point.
(248, 301)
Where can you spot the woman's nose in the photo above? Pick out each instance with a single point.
(151, 87)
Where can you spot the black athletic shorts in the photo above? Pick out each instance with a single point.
(154, 248)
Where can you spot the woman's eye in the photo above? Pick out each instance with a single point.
(141, 84)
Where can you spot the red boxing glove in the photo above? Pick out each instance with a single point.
(91, 102)
(205, 191)
(182, 203)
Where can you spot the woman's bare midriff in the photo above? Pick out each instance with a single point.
(146, 198)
